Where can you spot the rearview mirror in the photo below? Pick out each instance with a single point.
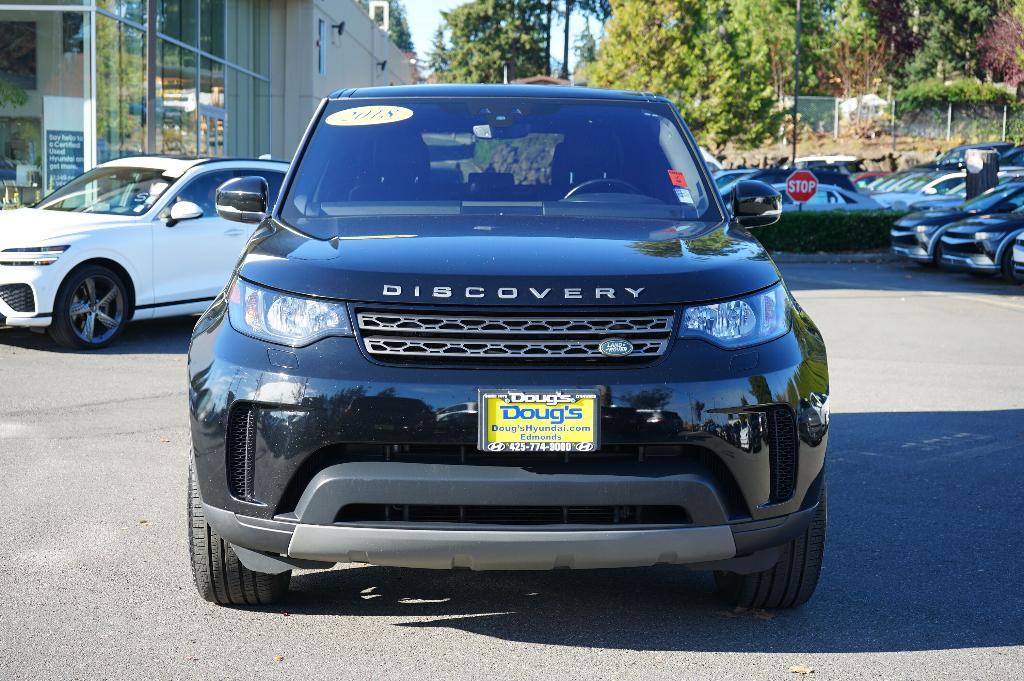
(755, 204)
(243, 199)
(183, 210)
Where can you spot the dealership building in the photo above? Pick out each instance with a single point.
(83, 84)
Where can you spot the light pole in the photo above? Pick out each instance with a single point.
(796, 80)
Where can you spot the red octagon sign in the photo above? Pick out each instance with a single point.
(801, 186)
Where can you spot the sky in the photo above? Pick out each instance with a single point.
(425, 16)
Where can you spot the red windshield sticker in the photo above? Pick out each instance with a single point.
(677, 178)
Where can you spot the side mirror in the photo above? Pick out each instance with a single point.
(183, 210)
(243, 199)
(756, 204)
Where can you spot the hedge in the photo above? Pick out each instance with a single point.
(927, 94)
(828, 231)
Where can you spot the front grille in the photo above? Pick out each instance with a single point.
(782, 448)
(503, 336)
(241, 448)
(18, 297)
(516, 515)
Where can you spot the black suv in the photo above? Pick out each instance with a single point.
(501, 328)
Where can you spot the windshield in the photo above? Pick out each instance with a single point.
(477, 155)
(110, 190)
(991, 198)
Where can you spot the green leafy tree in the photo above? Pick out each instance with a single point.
(700, 55)
(478, 38)
(950, 30)
(399, 24)
(11, 95)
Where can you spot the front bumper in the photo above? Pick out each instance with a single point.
(977, 262)
(37, 279)
(318, 411)
(505, 548)
(910, 244)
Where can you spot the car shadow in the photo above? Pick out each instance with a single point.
(891, 276)
(924, 553)
(153, 337)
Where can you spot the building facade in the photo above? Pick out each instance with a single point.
(83, 84)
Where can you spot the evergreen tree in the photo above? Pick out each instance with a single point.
(700, 55)
(477, 39)
(949, 44)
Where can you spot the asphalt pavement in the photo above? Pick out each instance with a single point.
(922, 574)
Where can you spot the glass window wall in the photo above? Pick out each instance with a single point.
(45, 92)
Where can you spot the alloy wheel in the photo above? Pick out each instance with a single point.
(97, 309)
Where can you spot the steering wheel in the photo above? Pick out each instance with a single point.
(579, 189)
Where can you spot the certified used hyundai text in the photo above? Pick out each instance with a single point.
(505, 328)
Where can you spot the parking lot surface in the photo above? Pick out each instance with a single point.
(922, 575)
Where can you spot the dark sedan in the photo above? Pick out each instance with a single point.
(983, 244)
(918, 236)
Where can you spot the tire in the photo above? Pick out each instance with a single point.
(219, 576)
(791, 582)
(1006, 266)
(937, 253)
(91, 309)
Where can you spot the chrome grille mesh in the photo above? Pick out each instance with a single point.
(508, 336)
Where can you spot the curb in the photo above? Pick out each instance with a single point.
(838, 258)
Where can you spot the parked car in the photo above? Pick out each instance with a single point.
(714, 165)
(829, 197)
(864, 181)
(917, 236)
(918, 188)
(725, 180)
(1018, 259)
(136, 238)
(842, 163)
(550, 305)
(954, 159)
(983, 245)
(779, 175)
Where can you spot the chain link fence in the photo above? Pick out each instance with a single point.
(873, 116)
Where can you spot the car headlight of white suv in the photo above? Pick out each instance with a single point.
(32, 255)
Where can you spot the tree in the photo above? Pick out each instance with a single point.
(399, 24)
(1000, 48)
(700, 55)
(949, 45)
(860, 58)
(585, 49)
(893, 22)
(478, 38)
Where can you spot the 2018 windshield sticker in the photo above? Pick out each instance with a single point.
(369, 115)
(677, 178)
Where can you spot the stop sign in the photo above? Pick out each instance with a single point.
(801, 186)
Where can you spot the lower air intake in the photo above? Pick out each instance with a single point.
(18, 297)
(241, 451)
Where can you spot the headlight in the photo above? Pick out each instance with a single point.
(280, 318)
(745, 321)
(924, 229)
(33, 255)
(984, 236)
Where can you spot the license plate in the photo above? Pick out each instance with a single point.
(539, 420)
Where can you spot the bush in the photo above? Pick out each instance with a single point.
(829, 231)
(927, 94)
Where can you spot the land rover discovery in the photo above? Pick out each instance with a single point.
(505, 328)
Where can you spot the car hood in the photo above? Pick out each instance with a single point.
(512, 260)
(932, 217)
(995, 222)
(27, 226)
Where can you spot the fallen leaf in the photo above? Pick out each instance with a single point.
(165, 439)
(143, 521)
(801, 669)
(278, 658)
(285, 614)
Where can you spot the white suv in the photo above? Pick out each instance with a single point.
(135, 238)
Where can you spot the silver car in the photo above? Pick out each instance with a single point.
(830, 197)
